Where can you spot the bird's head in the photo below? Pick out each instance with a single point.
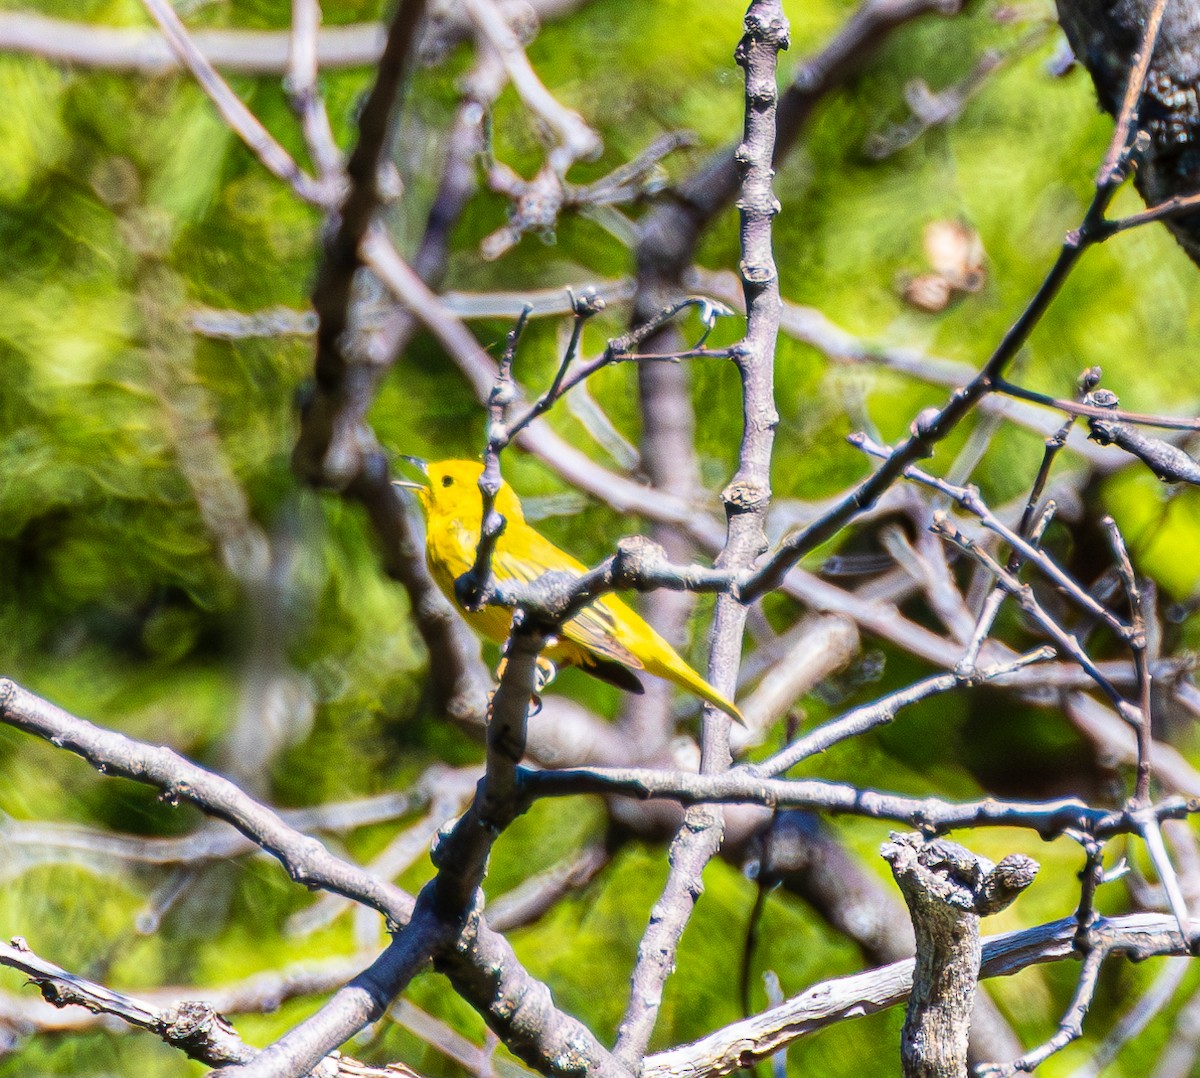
(450, 491)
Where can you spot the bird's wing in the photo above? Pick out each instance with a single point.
(594, 627)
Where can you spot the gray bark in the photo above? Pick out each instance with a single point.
(1105, 35)
(948, 889)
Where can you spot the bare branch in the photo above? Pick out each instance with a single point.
(341, 259)
(532, 899)
(1106, 412)
(30, 842)
(931, 428)
(930, 814)
(306, 860)
(1170, 464)
(814, 328)
(247, 52)
(1137, 1017)
(482, 964)
(879, 713)
(823, 646)
(302, 87)
(1178, 1057)
(243, 122)
(746, 500)
(1137, 643)
(252, 52)
(361, 1001)
(444, 1038)
(480, 370)
(969, 499)
(1069, 1029)
(745, 1043)
(948, 889)
(576, 139)
(194, 1028)
(447, 801)
(1112, 171)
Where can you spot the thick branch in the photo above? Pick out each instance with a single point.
(482, 964)
(745, 1043)
(930, 814)
(947, 889)
(307, 861)
(746, 500)
(333, 291)
(193, 1027)
(1108, 39)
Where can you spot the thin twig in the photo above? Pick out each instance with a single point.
(243, 122)
(193, 1027)
(301, 84)
(969, 499)
(1151, 833)
(1066, 643)
(1173, 208)
(1137, 645)
(1137, 1017)
(1112, 171)
(931, 814)
(576, 139)
(1095, 411)
(1070, 1028)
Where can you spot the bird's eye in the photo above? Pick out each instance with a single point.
(447, 481)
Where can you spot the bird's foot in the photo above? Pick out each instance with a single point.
(546, 673)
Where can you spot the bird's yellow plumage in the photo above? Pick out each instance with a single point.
(607, 638)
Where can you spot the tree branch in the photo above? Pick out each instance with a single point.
(745, 1043)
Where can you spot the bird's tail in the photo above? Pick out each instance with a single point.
(706, 692)
(687, 678)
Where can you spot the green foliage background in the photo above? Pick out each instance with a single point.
(125, 202)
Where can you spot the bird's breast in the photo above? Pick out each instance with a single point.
(450, 552)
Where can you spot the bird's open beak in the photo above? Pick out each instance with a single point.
(408, 484)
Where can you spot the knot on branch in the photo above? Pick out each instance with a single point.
(944, 872)
(745, 496)
(1005, 882)
(502, 395)
(193, 1023)
(1170, 464)
(947, 889)
(586, 303)
(638, 560)
(770, 30)
(60, 993)
(1100, 398)
(925, 424)
(760, 273)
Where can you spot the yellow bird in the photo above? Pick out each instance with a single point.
(607, 638)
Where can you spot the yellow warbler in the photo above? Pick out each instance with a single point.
(606, 638)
